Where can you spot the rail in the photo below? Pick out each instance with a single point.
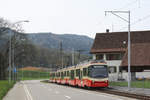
(123, 93)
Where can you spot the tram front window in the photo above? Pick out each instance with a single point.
(98, 71)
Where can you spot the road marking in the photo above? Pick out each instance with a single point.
(29, 97)
(67, 97)
(102, 95)
(56, 92)
(49, 89)
(44, 87)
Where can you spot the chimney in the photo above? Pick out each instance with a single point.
(107, 30)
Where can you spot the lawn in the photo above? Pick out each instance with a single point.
(4, 87)
(136, 84)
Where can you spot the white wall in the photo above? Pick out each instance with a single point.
(143, 74)
(114, 76)
(94, 56)
(113, 62)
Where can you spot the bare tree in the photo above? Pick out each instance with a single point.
(5, 26)
(9, 25)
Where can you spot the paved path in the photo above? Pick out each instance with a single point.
(35, 90)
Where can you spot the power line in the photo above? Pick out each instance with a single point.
(141, 19)
(129, 4)
(137, 21)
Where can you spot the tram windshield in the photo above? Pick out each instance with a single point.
(98, 71)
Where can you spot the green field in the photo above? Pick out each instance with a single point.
(4, 87)
(31, 75)
(135, 84)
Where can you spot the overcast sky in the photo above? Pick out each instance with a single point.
(84, 17)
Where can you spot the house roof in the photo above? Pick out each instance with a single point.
(140, 55)
(117, 41)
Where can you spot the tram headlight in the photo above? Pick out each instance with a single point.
(106, 81)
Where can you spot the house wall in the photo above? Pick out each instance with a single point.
(145, 74)
(116, 63)
(94, 56)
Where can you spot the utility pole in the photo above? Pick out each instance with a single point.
(79, 51)
(73, 57)
(61, 54)
(9, 55)
(129, 41)
(13, 58)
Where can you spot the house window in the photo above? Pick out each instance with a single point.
(99, 57)
(112, 69)
(116, 56)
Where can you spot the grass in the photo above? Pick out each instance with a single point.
(32, 75)
(135, 84)
(4, 87)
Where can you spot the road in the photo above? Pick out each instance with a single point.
(36, 90)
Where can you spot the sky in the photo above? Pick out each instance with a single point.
(82, 17)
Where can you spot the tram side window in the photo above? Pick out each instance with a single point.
(56, 74)
(52, 75)
(67, 73)
(72, 74)
(62, 75)
(77, 72)
(88, 72)
(84, 71)
(59, 74)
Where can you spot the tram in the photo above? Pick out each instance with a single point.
(91, 74)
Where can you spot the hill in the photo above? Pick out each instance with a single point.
(69, 41)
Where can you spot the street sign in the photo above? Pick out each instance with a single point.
(15, 70)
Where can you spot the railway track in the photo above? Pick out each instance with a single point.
(123, 93)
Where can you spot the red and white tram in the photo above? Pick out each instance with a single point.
(92, 74)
